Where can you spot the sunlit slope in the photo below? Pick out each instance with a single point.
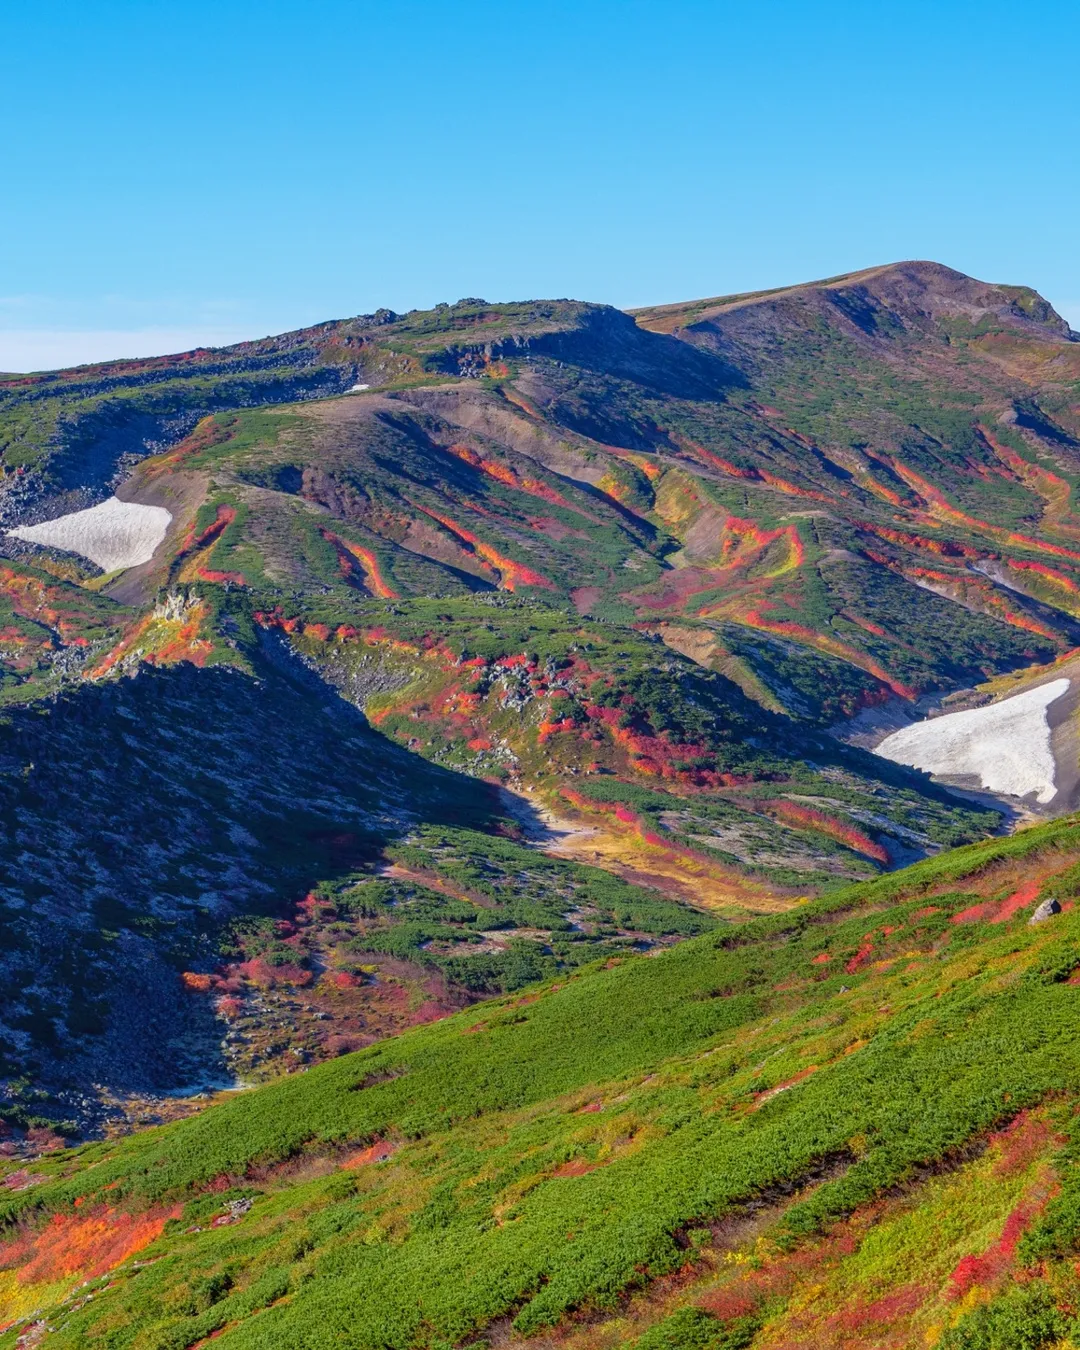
(843, 1066)
(625, 580)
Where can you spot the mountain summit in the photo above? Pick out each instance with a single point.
(495, 646)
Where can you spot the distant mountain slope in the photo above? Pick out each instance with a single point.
(616, 576)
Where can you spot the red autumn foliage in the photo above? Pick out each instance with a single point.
(1020, 899)
(753, 474)
(343, 979)
(980, 1269)
(577, 1167)
(88, 1244)
(547, 728)
(997, 911)
(348, 553)
(761, 1097)
(1066, 583)
(502, 473)
(225, 516)
(1020, 1143)
(809, 817)
(512, 574)
(259, 972)
(374, 1153)
(210, 574)
(755, 618)
(900, 1303)
(861, 956)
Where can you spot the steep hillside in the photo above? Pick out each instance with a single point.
(528, 590)
(851, 1125)
(540, 651)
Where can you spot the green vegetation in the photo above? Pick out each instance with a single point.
(550, 1150)
(634, 577)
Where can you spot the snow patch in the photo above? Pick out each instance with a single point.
(358, 388)
(114, 534)
(1005, 745)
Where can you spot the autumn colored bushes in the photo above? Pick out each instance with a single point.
(925, 1036)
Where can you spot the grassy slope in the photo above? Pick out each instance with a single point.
(553, 1150)
(807, 516)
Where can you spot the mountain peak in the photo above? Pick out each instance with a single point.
(916, 291)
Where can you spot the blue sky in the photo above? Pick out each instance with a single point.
(182, 173)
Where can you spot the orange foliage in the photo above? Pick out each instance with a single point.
(941, 507)
(803, 1074)
(32, 598)
(373, 577)
(824, 642)
(880, 490)
(1054, 490)
(742, 544)
(810, 818)
(225, 516)
(502, 473)
(946, 548)
(88, 1244)
(512, 396)
(374, 1153)
(969, 589)
(875, 629)
(178, 643)
(211, 574)
(512, 574)
(752, 474)
(614, 488)
(547, 728)
(576, 1167)
(648, 467)
(1049, 573)
(206, 434)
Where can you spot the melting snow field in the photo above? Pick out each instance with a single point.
(114, 535)
(1005, 745)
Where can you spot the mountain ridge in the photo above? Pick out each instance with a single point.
(480, 771)
(921, 272)
(642, 584)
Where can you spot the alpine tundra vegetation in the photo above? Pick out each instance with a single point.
(533, 825)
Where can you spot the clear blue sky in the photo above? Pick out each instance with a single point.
(201, 171)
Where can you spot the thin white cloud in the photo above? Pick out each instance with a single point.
(52, 349)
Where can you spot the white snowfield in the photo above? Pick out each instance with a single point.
(114, 534)
(1006, 745)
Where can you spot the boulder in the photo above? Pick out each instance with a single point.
(1046, 910)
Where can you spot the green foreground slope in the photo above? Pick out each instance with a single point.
(539, 1156)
